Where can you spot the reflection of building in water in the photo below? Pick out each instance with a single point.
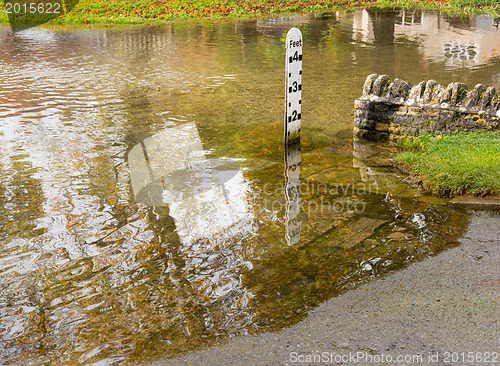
(466, 41)
(278, 26)
(204, 196)
(456, 41)
(363, 27)
(374, 28)
(145, 41)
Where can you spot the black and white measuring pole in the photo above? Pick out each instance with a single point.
(293, 85)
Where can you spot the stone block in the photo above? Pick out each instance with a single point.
(375, 115)
(382, 107)
(471, 98)
(429, 88)
(361, 113)
(416, 93)
(402, 110)
(403, 120)
(445, 96)
(420, 122)
(436, 94)
(381, 126)
(487, 97)
(379, 85)
(496, 106)
(367, 87)
(431, 113)
(458, 92)
(446, 114)
(465, 123)
(399, 90)
(372, 135)
(437, 126)
(415, 110)
(364, 104)
(365, 124)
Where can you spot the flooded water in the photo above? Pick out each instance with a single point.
(146, 206)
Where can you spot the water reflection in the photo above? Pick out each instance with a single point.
(375, 168)
(459, 42)
(204, 196)
(292, 193)
(143, 206)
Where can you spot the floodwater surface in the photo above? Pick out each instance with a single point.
(146, 206)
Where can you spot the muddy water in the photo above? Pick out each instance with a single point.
(144, 202)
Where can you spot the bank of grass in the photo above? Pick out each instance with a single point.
(454, 164)
(159, 11)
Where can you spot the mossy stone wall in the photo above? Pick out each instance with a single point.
(390, 110)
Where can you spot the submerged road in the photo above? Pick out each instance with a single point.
(444, 310)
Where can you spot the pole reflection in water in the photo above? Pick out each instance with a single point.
(204, 196)
(292, 193)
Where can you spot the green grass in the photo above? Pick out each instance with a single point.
(160, 11)
(452, 7)
(455, 164)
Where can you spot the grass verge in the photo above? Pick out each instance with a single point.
(160, 11)
(455, 164)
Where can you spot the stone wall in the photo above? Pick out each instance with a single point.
(390, 110)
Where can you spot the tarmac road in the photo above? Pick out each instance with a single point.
(444, 310)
